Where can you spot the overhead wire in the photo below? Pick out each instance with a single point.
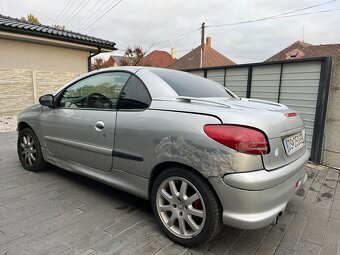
(276, 16)
(95, 10)
(100, 17)
(76, 11)
(62, 11)
(172, 43)
(65, 13)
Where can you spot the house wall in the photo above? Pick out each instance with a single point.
(29, 70)
(331, 154)
(42, 57)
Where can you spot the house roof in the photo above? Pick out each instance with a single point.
(9, 24)
(157, 58)
(301, 49)
(192, 59)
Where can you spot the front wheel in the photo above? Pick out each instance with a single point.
(185, 207)
(29, 151)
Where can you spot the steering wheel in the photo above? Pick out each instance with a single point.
(98, 100)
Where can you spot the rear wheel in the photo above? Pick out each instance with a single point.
(29, 151)
(185, 207)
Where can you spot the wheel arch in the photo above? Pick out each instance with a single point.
(158, 169)
(22, 125)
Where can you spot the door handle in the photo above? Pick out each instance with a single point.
(99, 126)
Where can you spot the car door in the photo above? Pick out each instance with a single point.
(133, 121)
(80, 128)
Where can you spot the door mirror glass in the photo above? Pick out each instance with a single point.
(47, 100)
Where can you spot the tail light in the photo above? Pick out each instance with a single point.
(243, 139)
(290, 114)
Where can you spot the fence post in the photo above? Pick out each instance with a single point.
(321, 110)
(280, 82)
(250, 76)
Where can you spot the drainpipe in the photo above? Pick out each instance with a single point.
(90, 57)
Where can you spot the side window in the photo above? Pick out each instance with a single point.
(134, 95)
(100, 91)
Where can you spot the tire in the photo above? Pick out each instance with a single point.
(205, 211)
(29, 151)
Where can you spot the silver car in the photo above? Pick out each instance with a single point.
(201, 154)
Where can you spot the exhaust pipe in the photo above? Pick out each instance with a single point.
(276, 220)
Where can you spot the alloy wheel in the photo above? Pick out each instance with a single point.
(28, 150)
(181, 207)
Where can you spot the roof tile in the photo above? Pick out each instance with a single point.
(15, 25)
(307, 50)
(157, 58)
(192, 59)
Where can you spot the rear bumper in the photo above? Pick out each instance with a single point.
(253, 200)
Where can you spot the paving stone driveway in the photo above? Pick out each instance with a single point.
(57, 212)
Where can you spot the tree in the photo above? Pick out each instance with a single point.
(30, 18)
(98, 64)
(101, 63)
(132, 56)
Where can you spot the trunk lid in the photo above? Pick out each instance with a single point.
(267, 116)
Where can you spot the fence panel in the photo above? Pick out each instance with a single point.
(299, 90)
(236, 80)
(198, 73)
(265, 82)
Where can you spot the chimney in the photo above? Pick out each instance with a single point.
(208, 41)
(173, 53)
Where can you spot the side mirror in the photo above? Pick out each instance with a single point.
(47, 100)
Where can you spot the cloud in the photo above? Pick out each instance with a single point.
(144, 22)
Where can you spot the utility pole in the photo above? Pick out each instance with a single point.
(202, 45)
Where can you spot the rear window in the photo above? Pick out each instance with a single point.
(186, 84)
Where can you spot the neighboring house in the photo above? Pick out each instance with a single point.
(192, 60)
(111, 62)
(157, 58)
(301, 49)
(38, 59)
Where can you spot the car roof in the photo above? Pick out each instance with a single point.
(156, 86)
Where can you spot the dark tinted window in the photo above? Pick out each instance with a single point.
(134, 95)
(190, 85)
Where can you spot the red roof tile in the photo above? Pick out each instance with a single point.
(157, 58)
(192, 59)
(300, 49)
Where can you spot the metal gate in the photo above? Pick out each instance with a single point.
(302, 85)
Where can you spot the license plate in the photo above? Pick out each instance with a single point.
(294, 143)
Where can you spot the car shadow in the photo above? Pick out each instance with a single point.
(104, 191)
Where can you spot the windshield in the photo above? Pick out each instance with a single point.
(186, 84)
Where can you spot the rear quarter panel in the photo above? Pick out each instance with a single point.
(179, 137)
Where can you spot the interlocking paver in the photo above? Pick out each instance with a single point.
(57, 212)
